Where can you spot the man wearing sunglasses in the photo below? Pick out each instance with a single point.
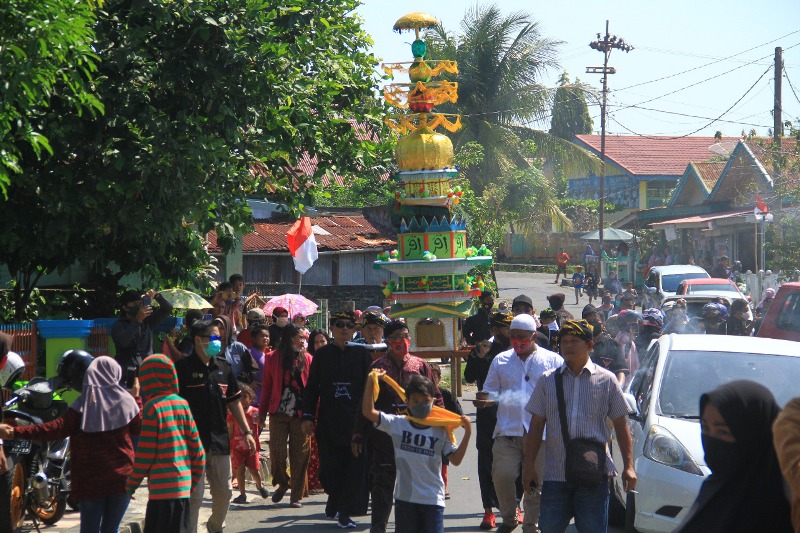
(336, 383)
(207, 383)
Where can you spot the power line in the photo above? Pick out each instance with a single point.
(786, 74)
(713, 62)
(718, 119)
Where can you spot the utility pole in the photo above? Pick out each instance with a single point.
(605, 44)
(777, 130)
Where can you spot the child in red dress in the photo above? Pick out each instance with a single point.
(241, 457)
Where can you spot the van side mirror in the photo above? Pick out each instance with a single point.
(633, 407)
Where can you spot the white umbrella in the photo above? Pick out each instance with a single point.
(609, 234)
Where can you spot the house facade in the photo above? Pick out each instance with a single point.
(642, 172)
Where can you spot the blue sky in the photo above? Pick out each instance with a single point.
(668, 38)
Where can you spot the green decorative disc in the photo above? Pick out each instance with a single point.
(419, 48)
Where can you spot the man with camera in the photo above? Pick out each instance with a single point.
(132, 333)
(574, 401)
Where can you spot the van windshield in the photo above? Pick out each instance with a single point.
(670, 283)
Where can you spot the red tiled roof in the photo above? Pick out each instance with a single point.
(333, 233)
(709, 173)
(654, 156)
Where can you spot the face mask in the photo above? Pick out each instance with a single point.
(502, 340)
(282, 321)
(597, 327)
(213, 348)
(400, 347)
(521, 345)
(421, 410)
(553, 326)
(723, 458)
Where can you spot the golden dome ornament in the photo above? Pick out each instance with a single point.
(424, 149)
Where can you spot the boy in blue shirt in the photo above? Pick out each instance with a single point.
(577, 282)
(418, 453)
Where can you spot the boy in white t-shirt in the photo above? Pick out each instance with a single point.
(418, 452)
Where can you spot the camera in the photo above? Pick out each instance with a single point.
(146, 301)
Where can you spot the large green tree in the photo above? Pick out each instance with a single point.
(208, 102)
(501, 60)
(45, 53)
(570, 111)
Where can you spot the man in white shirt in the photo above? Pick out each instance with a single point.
(511, 380)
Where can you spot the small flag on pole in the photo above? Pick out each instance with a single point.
(761, 207)
(302, 244)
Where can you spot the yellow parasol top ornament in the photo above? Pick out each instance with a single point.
(415, 21)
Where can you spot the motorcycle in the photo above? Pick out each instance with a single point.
(37, 483)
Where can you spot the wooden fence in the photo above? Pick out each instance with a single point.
(24, 342)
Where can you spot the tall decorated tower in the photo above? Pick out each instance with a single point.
(433, 260)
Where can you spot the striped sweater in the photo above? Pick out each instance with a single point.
(169, 453)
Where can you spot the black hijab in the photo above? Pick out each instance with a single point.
(744, 492)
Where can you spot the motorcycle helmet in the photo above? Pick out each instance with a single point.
(72, 367)
(11, 370)
(714, 312)
(653, 317)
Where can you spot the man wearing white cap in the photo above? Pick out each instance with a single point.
(511, 380)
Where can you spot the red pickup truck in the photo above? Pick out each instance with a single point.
(783, 316)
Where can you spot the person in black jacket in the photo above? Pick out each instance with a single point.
(547, 332)
(478, 327)
(606, 352)
(132, 333)
(478, 362)
(336, 384)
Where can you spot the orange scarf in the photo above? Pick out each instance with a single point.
(438, 417)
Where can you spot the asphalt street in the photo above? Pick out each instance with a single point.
(463, 512)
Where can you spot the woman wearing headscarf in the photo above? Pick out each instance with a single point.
(100, 424)
(243, 366)
(744, 492)
(283, 382)
(762, 307)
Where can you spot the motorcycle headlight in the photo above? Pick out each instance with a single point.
(662, 447)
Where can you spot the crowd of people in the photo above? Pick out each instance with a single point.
(351, 412)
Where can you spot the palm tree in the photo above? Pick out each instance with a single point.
(501, 59)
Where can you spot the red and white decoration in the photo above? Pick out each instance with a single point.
(302, 244)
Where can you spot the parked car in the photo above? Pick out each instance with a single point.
(664, 398)
(782, 320)
(663, 281)
(714, 286)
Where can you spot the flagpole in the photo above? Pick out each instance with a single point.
(300, 284)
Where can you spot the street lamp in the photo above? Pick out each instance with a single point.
(605, 44)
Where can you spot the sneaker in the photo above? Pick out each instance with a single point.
(334, 516)
(264, 492)
(240, 499)
(346, 523)
(489, 521)
(295, 505)
(279, 493)
(519, 516)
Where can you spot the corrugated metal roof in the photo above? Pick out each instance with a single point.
(333, 233)
(654, 156)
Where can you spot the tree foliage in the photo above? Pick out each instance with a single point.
(45, 53)
(501, 59)
(570, 112)
(583, 213)
(207, 103)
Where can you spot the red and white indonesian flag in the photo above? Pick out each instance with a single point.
(761, 207)
(302, 244)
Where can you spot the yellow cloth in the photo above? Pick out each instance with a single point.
(438, 418)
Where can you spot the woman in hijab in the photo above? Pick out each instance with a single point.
(243, 366)
(100, 424)
(762, 307)
(744, 492)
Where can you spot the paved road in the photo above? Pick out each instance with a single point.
(463, 512)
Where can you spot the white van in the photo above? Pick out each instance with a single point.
(663, 281)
